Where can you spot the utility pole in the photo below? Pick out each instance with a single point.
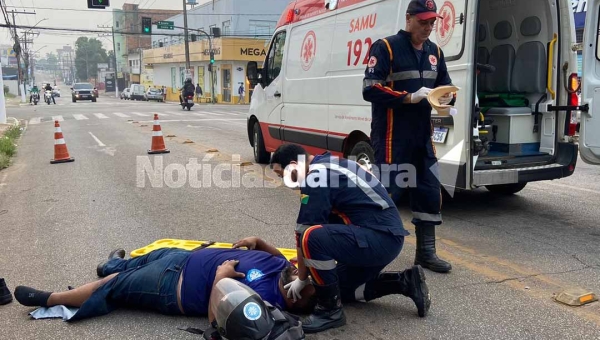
(185, 37)
(114, 59)
(18, 53)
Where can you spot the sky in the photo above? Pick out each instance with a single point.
(79, 18)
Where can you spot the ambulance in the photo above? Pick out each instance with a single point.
(515, 62)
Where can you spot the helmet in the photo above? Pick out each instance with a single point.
(240, 312)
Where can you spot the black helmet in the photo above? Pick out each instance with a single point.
(240, 312)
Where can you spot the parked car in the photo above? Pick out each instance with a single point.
(83, 91)
(137, 92)
(56, 91)
(126, 94)
(153, 94)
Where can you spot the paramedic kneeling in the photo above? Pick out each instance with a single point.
(176, 282)
(401, 71)
(346, 216)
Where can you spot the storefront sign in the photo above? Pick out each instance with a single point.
(253, 51)
(168, 55)
(216, 51)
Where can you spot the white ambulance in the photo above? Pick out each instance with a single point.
(309, 88)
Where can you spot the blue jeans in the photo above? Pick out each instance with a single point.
(147, 282)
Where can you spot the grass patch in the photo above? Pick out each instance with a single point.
(9, 95)
(7, 145)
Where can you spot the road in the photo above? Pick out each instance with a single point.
(510, 254)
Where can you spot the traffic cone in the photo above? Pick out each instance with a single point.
(158, 143)
(61, 154)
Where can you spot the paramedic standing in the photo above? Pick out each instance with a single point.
(401, 71)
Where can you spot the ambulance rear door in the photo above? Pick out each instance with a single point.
(589, 132)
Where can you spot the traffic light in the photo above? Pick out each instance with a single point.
(209, 67)
(193, 37)
(212, 57)
(98, 4)
(146, 25)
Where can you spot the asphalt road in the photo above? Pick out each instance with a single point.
(57, 222)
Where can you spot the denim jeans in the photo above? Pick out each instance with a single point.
(149, 281)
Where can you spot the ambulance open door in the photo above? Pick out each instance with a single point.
(589, 132)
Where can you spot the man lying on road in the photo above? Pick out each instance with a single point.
(179, 282)
(175, 281)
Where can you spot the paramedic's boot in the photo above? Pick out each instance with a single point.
(426, 256)
(328, 312)
(5, 295)
(117, 253)
(410, 283)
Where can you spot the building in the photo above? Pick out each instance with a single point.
(128, 46)
(66, 63)
(579, 11)
(246, 28)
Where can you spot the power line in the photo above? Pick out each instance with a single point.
(59, 29)
(147, 12)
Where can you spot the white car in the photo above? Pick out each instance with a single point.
(126, 94)
(56, 91)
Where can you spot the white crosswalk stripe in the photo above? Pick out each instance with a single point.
(160, 114)
(59, 118)
(240, 112)
(79, 117)
(176, 113)
(139, 114)
(212, 113)
(100, 116)
(35, 120)
(226, 113)
(119, 114)
(198, 114)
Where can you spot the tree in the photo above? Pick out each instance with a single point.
(88, 53)
(52, 61)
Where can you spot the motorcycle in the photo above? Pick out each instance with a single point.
(35, 97)
(48, 96)
(188, 102)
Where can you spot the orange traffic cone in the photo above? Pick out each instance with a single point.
(158, 143)
(61, 154)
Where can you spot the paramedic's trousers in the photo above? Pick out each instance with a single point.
(360, 253)
(424, 190)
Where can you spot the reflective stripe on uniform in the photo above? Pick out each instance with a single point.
(371, 82)
(406, 75)
(427, 217)
(300, 228)
(359, 182)
(320, 265)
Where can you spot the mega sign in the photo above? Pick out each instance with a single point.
(253, 51)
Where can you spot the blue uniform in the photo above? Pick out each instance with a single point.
(401, 133)
(262, 272)
(346, 216)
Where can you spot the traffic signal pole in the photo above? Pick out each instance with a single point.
(185, 33)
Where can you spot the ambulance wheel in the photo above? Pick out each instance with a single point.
(261, 155)
(363, 151)
(506, 189)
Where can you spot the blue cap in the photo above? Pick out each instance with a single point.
(423, 9)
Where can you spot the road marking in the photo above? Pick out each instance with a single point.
(198, 114)
(119, 114)
(100, 115)
(570, 187)
(59, 118)
(176, 113)
(35, 120)
(196, 120)
(96, 139)
(226, 113)
(240, 112)
(79, 117)
(139, 114)
(212, 113)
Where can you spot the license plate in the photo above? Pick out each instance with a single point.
(439, 134)
(190, 101)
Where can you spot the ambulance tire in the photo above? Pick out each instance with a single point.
(506, 189)
(363, 150)
(261, 155)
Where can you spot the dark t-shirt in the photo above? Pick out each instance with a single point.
(262, 272)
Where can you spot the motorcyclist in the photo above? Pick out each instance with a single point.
(34, 90)
(49, 88)
(187, 89)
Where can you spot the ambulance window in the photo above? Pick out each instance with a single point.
(276, 56)
(598, 38)
(449, 32)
